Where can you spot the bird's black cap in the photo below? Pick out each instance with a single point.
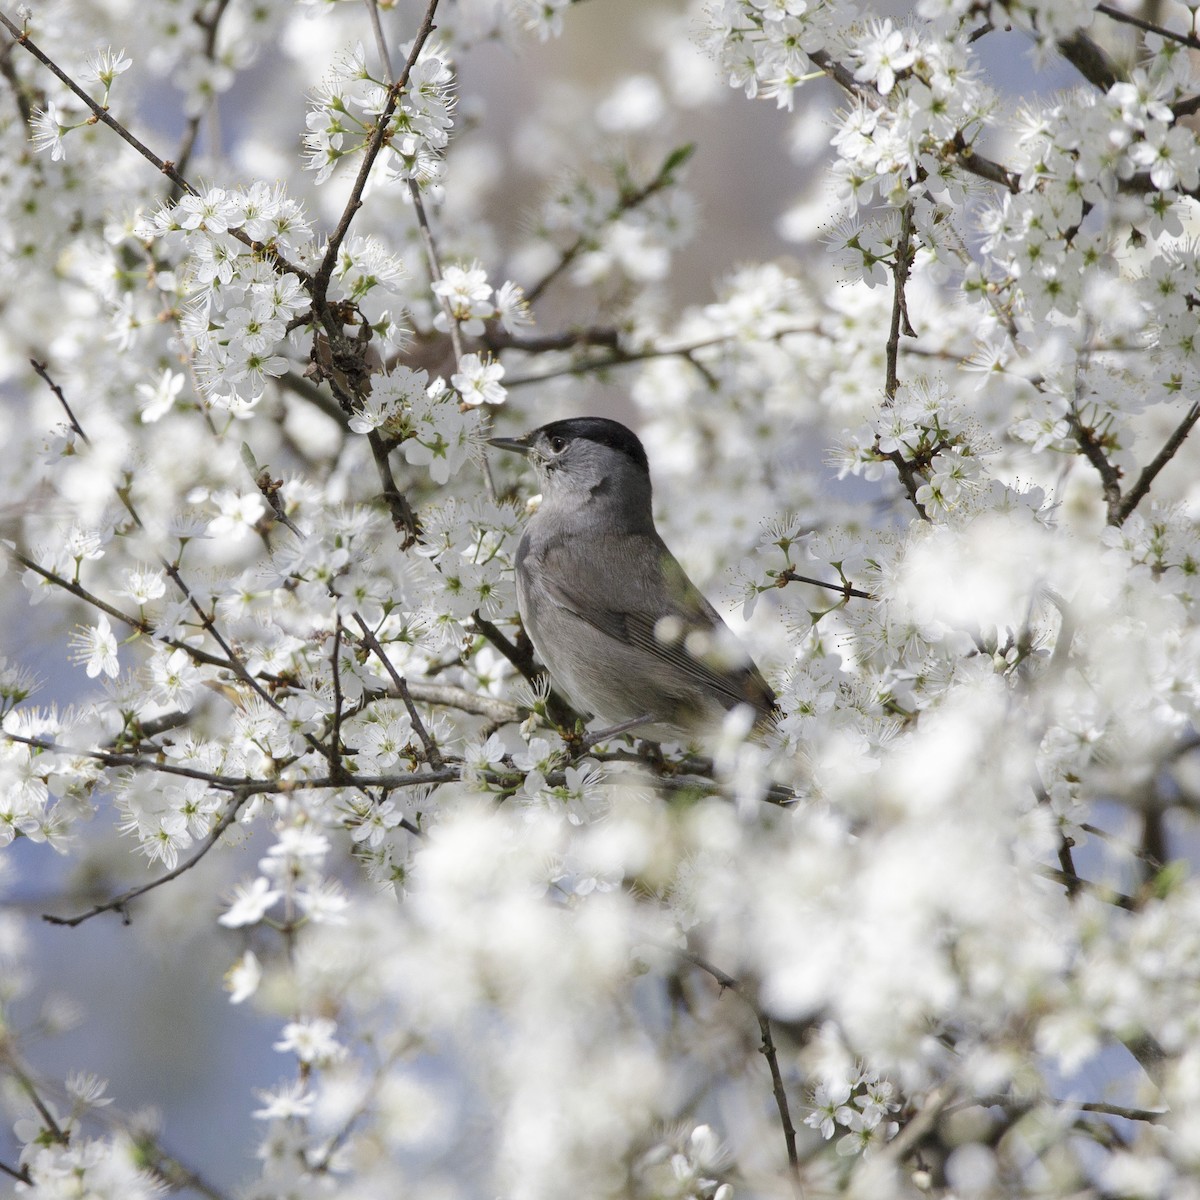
(599, 429)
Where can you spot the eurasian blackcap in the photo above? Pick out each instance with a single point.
(626, 636)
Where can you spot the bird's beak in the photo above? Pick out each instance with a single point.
(518, 444)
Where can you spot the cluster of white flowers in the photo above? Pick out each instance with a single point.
(468, 299)
(861, 1105)
(613, 236)
(239, 304)
(947, 455)
(349, 105)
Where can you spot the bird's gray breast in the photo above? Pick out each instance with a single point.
(584, 662)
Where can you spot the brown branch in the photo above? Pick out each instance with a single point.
(843, 588)
(98, 110)
(620, 357)
(975, 164)
(450, 696)
(75, 589)
(21, 1176)
(375, 144)
(1090, 60)
(118, 903)
(1152, 1115)
(404, 520)
(177, 1175)
(434, 263)
(165, 167)
(134, 623)
(1137, 493)
(898, 327)
(115, 758)
(333, 754)
(1093, 451)
(432, 754)
(909, 1137)
(521, 657)
(766, 1049)
(1070, 881)
(9, 73)
(44, 374)
(628, 200)
(900, 324)
(1186, 108)
(242, 784)
(1116, 14)
(1066, 861)
(210, 24)
(607, 336)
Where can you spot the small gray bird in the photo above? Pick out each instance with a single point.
(625, 635)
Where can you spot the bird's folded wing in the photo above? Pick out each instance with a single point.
(647, 601)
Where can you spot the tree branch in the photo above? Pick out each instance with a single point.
(183, 156)
(843, 588)
(375, 144)
(1093, 451)
(1137, 493)
(768, 1051)
(628, 200)
(118, 903)
(1090, 60)
(1125, 18)
(975, 164)
(432, 754)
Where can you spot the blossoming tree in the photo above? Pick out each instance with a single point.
(933, 934)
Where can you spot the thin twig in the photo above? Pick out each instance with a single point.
(1070, 881)
(44, 374)
(210, 23)
(1137, 493)
(371, 152)
(1152, 1115)
(900, 325)
(1125, 18)
(919, 1125)
(24, 1077)
(432, 754)
(177, 1175)
(165, 167)
(433, 261)
(1093, 451)
(118, 903)
(164, 766)
(334, 752)
(135, 623)
(626, 202)
(21, 1176)
(843, 588)
(381, 46)
(242, 784)
(1069, 876)
(768, 1051)
(231, 660)
(620, 357)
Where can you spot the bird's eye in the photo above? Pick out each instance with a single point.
(558, 444)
